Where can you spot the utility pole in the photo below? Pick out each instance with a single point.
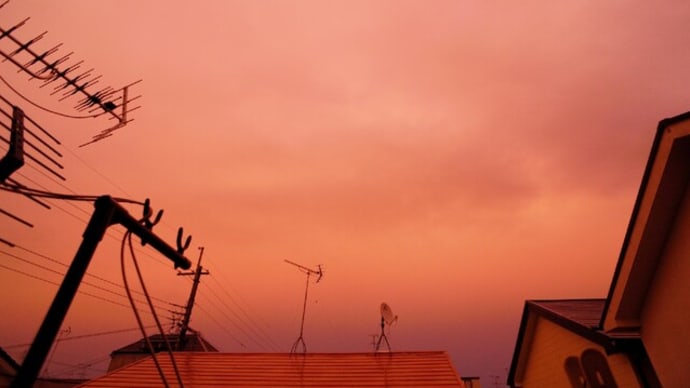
(188, 310)
(108, 212)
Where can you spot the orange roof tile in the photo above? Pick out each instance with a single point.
(411, 369)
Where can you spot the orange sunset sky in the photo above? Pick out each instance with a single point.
(451, 158)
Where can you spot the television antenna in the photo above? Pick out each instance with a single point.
(68, 79)
(309, 272)
(27, 141)
(387, 319)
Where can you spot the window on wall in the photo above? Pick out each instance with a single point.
(591, 369)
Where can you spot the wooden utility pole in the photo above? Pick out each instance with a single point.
(188, 310)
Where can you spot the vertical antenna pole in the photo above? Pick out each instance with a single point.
(304, 307)
(309, 272)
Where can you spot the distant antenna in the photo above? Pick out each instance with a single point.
(309, 272)
(387, 319)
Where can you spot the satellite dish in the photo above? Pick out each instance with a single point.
(387, 318)
(387, 314)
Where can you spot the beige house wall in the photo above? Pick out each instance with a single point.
(553, 344)
(666, 314)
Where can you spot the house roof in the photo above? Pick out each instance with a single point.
(412, 369)
(655, 207)
(613, 322)
(580, 316)
(194, 343)
(585, 313)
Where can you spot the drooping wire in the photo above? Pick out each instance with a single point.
(153, 310)
(127, 238)
(17, 92)
(19, 188)
(83, 199)
(136, 312)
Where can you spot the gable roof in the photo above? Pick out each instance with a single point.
(412, 369)
(580, 316)
(585, 313)
(661, 190)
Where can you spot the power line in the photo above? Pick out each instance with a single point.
(234, 323)
(63, 274)
(77, 337)
(58, 284)
(250, 326)
(223, 327)
(216, 271)
(87, 274)
(244, 312)
(105, 178)
(253, 327)
(86, 365)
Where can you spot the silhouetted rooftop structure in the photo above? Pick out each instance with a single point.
(125, 355)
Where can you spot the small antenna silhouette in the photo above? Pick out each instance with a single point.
(309, 272)
(387, 319)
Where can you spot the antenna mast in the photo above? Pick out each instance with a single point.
(309, 272)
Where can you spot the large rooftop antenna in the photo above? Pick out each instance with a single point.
(387, 319)
(67, 79)
(27, 143)
(309, 272)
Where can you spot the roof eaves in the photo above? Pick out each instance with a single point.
(663, 124)
(610, 343)
(518, 345)
(592, 333)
